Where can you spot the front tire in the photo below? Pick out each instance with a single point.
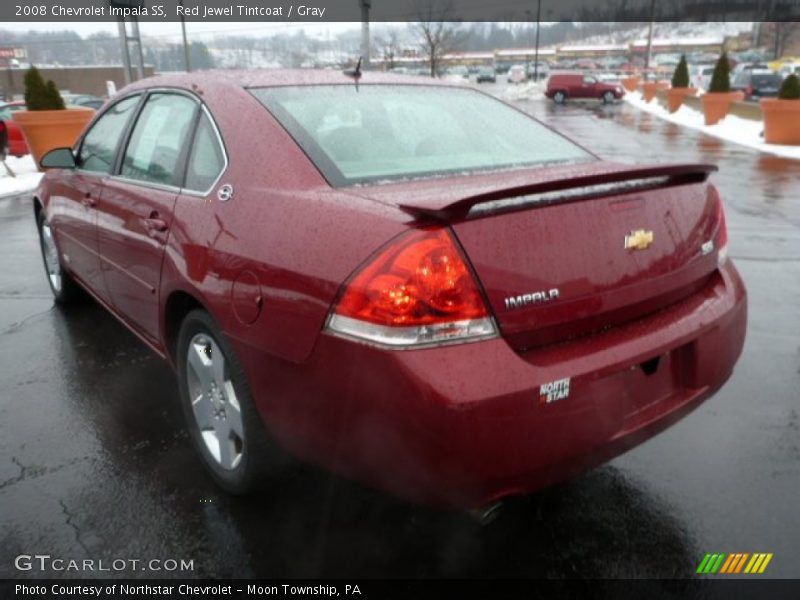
(218, 407)
(63, 286)
(608, 97)
(559, 97)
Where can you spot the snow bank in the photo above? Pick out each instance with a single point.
(27, 177)
(524, 91)
(732, 128)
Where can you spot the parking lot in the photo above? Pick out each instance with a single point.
(96, 465)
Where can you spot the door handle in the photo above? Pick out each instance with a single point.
(88, 201)
(155, 224)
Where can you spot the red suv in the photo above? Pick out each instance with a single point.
(561, 86)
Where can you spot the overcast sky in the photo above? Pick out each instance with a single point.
(173, 30)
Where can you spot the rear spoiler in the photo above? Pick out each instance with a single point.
(626, 179)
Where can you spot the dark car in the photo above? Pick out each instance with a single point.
(757, 84)
(486, 75)
(562, 86)
(361, 276)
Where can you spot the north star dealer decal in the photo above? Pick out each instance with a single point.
(555, 390)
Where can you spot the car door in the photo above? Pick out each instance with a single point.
(75, 193)
(137, 206)
(587, 87)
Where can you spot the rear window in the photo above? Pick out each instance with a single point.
(390, 132)
(766, 80)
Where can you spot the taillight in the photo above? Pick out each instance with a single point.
(417, 291)
(722, 234)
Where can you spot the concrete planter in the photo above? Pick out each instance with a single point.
(649, 89)
(675, 97)
(717, 104)
(631, 84)
(781, 121)
(48, 129)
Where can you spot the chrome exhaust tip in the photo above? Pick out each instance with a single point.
(484, 515)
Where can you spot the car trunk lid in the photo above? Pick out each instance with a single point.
(564, 252)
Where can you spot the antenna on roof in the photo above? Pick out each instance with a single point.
(354, 73)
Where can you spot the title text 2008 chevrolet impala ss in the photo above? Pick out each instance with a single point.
(361, 276)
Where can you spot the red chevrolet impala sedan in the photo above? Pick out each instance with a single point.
(361, 276)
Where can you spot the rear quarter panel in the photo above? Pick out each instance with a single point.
(284, 228)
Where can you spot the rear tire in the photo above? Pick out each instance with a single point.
(608, 97)
(559, 97)
(218, 407)
(63, 286)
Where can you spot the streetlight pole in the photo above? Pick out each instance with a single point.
(536, 50)
(365, 6)
(186, 61)
(527, 55)
(648, 56)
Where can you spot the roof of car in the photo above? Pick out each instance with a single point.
(278, 77)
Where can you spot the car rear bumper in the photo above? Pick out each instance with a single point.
(464, 425)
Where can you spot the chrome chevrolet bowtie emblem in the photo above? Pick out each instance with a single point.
(638, 239)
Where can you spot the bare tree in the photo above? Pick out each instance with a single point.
(438, 33)
(388, 48)
(784, 32)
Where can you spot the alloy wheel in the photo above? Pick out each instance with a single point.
(216, 408)
(51, 261)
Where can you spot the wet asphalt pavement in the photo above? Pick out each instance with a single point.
(94, 463)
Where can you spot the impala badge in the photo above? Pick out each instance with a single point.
(523, 300)
(638, 239)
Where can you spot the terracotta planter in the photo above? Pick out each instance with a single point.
(717, 104)
(649, 89)
(781, 121)
(631, 84)
(48, 129)
(675, 97)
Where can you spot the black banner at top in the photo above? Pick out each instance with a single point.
(400, 10)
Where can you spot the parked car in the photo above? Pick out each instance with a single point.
(788, 68)
(757, 83)
(486, 75)
(750, 66)
(701, 76)
(361, 276)
(459, 71)
(562, 86)
(516, 74)
(17, 145)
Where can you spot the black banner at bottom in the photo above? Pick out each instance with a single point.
(376, 589)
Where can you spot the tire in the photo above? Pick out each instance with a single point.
(63, 286)
(234, 445)
(608, 97)
(559, 97)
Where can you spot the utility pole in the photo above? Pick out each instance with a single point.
(186, 61)
(365, 6)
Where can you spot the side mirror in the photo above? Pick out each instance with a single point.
(58, 158)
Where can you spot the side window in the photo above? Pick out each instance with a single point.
(99, 145)
(206, 160)
(589, 80)
(159, 136)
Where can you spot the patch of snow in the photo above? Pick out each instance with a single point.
(27, 176)
(524, 91)
(746, 132)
